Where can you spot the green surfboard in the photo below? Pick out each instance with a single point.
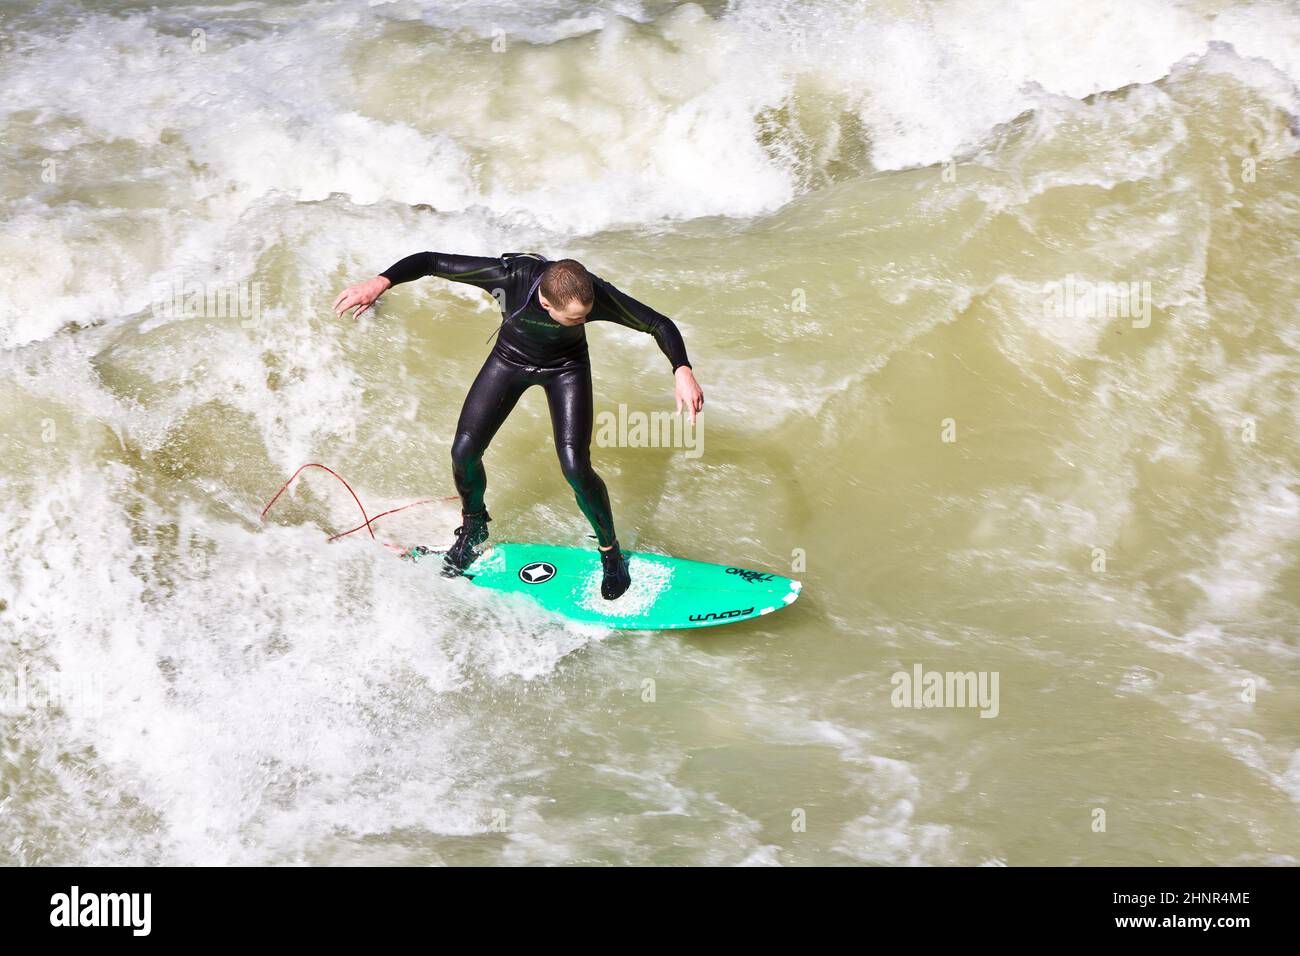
(666, 593)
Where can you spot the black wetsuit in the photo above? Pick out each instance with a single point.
(534, 349)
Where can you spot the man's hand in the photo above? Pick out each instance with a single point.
(689, 393)
(361, 296)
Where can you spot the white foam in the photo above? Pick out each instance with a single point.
(1249, 558)
(256, 689)
(671, 118)
(649, 580)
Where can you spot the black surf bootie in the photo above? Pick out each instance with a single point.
(617, 577)
(472, 532)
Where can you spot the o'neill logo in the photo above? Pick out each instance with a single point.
(722, 615)
(538, 572)
(751, 576)
(102, 909)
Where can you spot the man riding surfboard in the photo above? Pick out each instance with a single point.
(542, 342)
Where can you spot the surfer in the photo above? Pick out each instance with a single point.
(544, 306)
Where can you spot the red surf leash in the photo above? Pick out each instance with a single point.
(367, 521)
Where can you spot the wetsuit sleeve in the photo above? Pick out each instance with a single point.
(482, 271)
(611, 305)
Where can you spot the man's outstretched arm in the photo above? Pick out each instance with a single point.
(482, 271)
(613, 305)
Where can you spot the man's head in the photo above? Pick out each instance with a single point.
(566, 292)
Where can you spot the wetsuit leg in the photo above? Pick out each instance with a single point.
(568, 393)
(491, 398)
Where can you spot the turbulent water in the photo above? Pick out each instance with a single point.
(994, 305)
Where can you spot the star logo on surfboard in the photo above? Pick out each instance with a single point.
(539, 572)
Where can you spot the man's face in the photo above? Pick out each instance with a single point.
(572, 313)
